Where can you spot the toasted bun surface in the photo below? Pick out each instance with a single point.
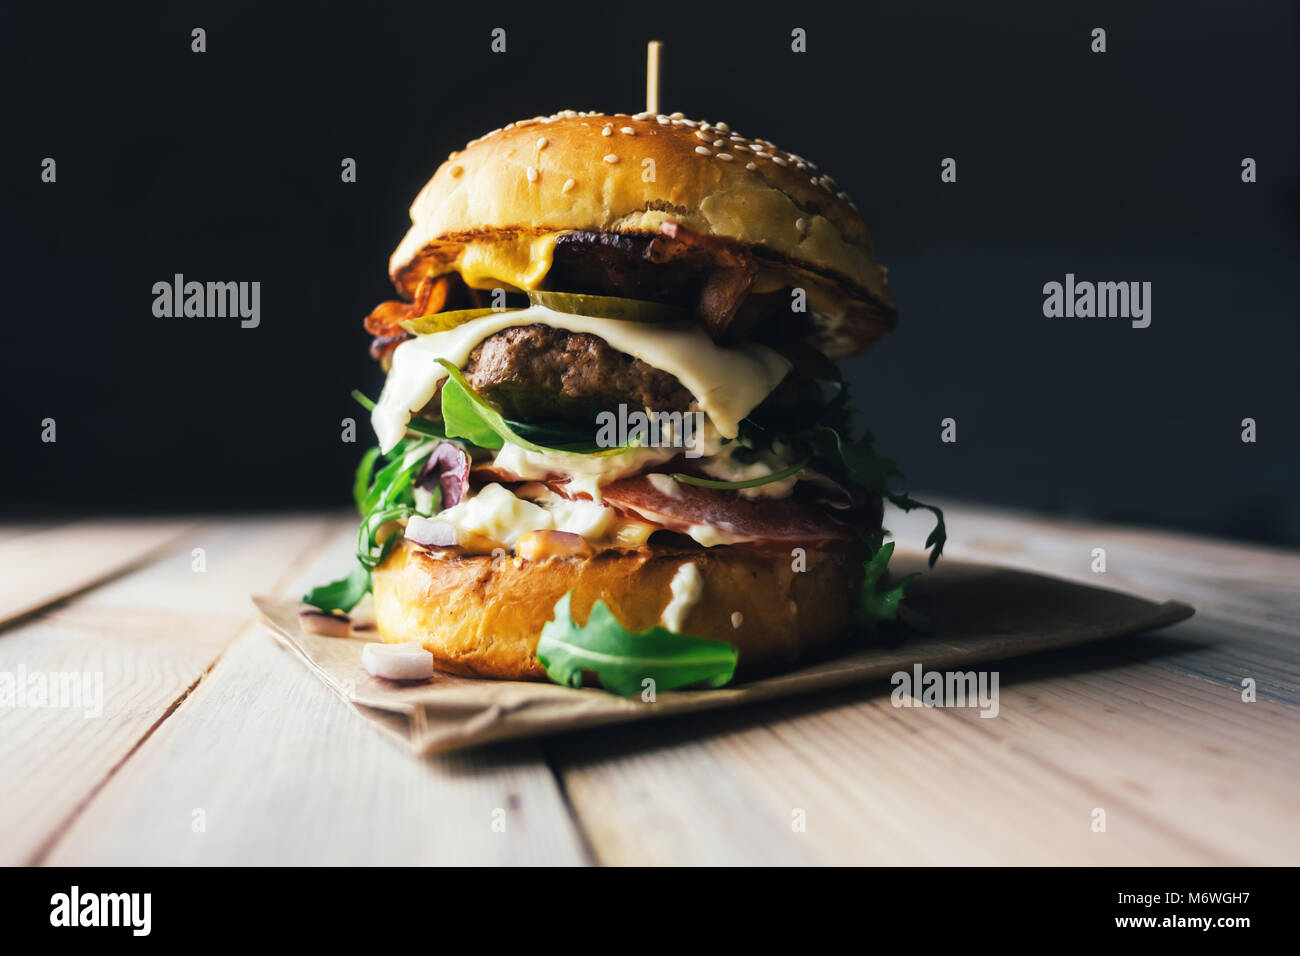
(494, 210)
(482, 620)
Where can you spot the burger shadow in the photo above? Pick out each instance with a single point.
(576, 749)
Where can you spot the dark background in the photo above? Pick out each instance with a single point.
(225, 166)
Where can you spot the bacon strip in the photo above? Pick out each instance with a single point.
(386, 319)
(763, 524)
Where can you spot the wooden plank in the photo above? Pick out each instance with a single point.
(1248, 609)
(49, 565)
(142, 641)
(1186, 772)
(10, 531)
(282, 772)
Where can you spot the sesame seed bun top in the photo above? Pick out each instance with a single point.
(493, 210)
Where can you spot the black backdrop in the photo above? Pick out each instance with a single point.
(225, 166)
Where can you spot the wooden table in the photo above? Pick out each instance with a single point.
(217, 747)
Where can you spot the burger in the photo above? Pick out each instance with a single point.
(613, 446)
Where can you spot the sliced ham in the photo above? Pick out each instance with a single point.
(765, 524)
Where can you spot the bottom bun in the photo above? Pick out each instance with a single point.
(482, 616)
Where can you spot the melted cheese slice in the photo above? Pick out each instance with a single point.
(522, 264)
(728, 383)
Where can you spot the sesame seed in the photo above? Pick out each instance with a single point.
(736, 139)
(779, 161)
(722, 127)
(639, 116)
(456, 170)
(801, 224)
(541, 143)
(751, 165)
(842, 195)
(608, 130)
(703, 151)
(719, 142)
(676, 115)
(725, 157)
(611, 158)
(799, 165)
(691, 123)
(702, 135)
(740, 148)
(568, 185)
(662, 120)
(531, 173)
(628, 130)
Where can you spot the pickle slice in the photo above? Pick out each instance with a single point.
(446, 321)
(609, 307)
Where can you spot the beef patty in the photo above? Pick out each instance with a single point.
(540, 373)
(536, 373)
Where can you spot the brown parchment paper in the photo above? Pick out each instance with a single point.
(980, 614)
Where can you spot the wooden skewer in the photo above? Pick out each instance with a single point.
(652, 76)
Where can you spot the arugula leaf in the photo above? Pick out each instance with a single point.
(392, 485)
(858, 459)
(341, 595)
(380, 497)
(361, 481)
(369, 530)
(622, 660)
(875, 603)
(748, 482)
(939, 536)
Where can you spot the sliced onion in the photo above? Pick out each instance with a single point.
(430, 532)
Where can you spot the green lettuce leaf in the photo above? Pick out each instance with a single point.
(621, 660)
(466, 415)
